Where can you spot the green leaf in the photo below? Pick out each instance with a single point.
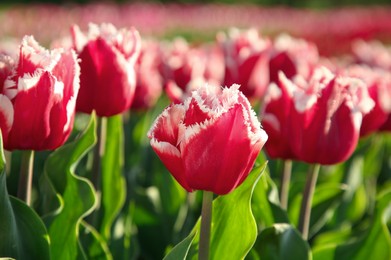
(76, 194)
(265, 204)
(98, 249)
(181, 250)
(281, 241)
(374, 244)
(23, 234)
(232, 221)
(113, 181)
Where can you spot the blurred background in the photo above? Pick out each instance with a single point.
(292, 3)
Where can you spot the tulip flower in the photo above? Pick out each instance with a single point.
(38, 98)
(149, 83)
(47, 81)
(246, 61)
(326, 116)
(378, 82)
(182, 63)
(210, 141)
(108, 57)
(293, 57)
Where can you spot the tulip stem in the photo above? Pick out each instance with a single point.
(26, 176)
(285, 181)
(99, 152)
(206, 219)
(305, 210)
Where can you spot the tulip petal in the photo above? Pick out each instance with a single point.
(6, 116)
(166, 126)
(32, 109)
(107, 80)
(171, 158)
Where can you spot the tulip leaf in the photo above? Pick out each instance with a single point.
(265, 205)
(281, 241)
(233, 229)
(374, 244)
(76, 195)
(23, 234)
(98, 249)
(113, 181)
(181, 250)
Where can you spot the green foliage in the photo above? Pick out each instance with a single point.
(281, 241)
(233, 227)
(23, 234)
(76, 196)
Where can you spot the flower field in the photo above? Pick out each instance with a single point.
(151, 131)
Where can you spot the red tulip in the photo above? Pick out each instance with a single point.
(326, 116)
(246, 61)
(210, 141)
(38, 97)
(108, 57)
(149, 83)
(292, 56)
(379, 87)
(275, 117)
(182, 64)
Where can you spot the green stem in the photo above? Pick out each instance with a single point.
(8, 158)
(305, 210)
(99, 152)
(285, 181)
(206, 219)
(26, 176)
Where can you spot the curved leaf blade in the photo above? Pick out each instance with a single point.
(76, 194)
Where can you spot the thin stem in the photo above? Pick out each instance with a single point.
(26, 176)
(206, 219)
(8, 158)
(285, 181)
(99, 152)
(305, 210)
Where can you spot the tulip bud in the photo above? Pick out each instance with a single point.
(210, 141)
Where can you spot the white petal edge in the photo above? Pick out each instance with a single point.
(7, 110)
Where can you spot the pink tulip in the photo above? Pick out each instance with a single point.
(210, 141)
(293, 57)
(275, 115)
(149, 83)
(246, 61)
(326, 116)
(108, 57)
(38, 97)
(378, 82)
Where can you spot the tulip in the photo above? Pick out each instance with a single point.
(293, 57)
(47, 81)
(326, 116)
(38, 99)
(378, 82)
(108, 57)
(210, 141)
(149, 83)
(182, 63)
(246, 61)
